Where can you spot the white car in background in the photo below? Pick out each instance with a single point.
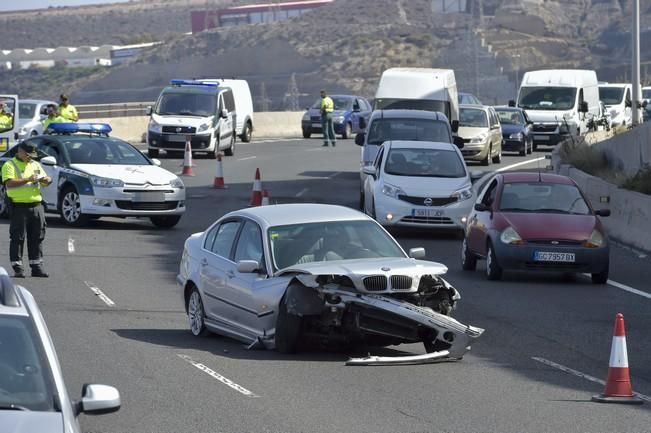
(418, 184)
(617, 99)
(31, 113)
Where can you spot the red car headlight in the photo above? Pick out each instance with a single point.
(511, 237)
(595, 240)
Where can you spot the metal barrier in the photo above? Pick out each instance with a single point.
(125, 109)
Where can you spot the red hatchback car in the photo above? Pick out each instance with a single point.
(535, 221)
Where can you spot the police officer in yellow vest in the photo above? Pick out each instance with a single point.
(23, 177)
(53, 116)
(327, 125)
(6, 119)
(66, 109)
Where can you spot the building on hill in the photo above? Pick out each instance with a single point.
(252, 14)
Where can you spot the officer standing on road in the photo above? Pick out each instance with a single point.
(67, 110)
(327, 125)
(23, 177)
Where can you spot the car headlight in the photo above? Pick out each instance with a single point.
(511, 237)
(105, 182)
(463, 194)
(177, 183)
(339, 119)
(392, 191)
(479, 138)
(155, 126)
(203, 127)
(595, 240)
(517, 136)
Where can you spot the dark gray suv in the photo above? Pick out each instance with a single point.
(33, 397)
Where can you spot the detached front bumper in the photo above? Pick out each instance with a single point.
(391, 211)
(127, 201)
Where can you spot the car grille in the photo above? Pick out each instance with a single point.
(401, 282)
(179, 129)
(436, 201)
(316, 119)
(545, 128)
(553, 242)
(376, 283)
(141, 205)
(170, 191)
(427, 220)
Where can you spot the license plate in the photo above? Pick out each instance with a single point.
(4, 143)
(429, 213)
(316, 125)
(543, 256)
(541, 137)
(176, 138)
(149, 196)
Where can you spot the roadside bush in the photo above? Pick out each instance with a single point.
(584, 157)
(641, 182)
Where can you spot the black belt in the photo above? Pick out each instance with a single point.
(26, 204)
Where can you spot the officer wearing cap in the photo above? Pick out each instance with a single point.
(23, 177)
(67, 110)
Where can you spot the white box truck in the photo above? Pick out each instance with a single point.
(419, 89)
(560, 103)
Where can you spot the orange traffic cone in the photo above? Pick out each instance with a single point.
(219, 173)
(187, 158)
(265, 198)
(618, 384)
(256, 194)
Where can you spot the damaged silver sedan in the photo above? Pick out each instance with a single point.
(284, 275)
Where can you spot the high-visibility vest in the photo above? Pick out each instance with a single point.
(57, 119)
(6, 121)
(327, 105)
(68, 112)
(17, 169)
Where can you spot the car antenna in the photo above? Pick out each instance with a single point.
(539, 173)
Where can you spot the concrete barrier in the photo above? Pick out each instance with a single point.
(629, 151)
(275, 124)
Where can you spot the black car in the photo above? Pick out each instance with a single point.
(516, 130)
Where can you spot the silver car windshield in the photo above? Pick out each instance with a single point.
(103, 151)
(26, 110)
(25, 377)
(326, 241)
(543, 197)
(424, 163)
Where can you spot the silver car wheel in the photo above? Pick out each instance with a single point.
(71, 207)
(195, 313)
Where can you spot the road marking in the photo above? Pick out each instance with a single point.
(580, 374)
(301, 192)
(276, 140)
(518, 164)
(71, 245)
(316, 149)
(629, 289)
(334, 175)
(248, 157)
(226, 381)
(97, 291)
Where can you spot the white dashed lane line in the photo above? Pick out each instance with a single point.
(98, 292)
(518, 164)
(71, 245)
(301, 192)
(580, 374)
(226, 381)
(246, 158)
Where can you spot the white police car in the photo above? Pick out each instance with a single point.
(96, 175)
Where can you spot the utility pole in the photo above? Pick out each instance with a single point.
(264, 98)
(292, 95)
(635, 75)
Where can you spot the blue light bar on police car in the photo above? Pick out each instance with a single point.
(192, 83)
(71, 128)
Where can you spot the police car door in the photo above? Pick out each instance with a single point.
(47, 147)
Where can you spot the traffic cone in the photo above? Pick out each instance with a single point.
(265, 198)
(187, 158)
(256, 194)
(219, 173)
(618, 384)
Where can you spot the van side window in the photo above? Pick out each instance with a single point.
(220, 106)
(229, 101)
(581, 96)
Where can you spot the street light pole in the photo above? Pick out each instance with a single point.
(637, 97)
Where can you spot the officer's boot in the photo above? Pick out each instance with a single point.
(37, 271)
(19, 272)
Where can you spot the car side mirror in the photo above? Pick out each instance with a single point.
(645, 103)
(417, 253)
(628, 103)
(48, 160)
(149, 110)
(476, 175)
(458, 141)
(362, 123)
(511, 103)
(247, 266)
(98, 400)
(356, 109)
(359, 139)
(370, 170)
(223, 114)
(454, 125)
(156, 162)
(583, 107)
(602, 212)
(481, 207)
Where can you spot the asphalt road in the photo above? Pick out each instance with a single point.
(172, 382)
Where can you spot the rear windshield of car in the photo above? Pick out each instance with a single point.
(510, 117)
(541, 197)
(103, 151)
(326, 241)
(26, 381)
(424, 163)
(473, 118)
(611, 95)
(386, 129)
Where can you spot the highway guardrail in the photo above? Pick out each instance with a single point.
(124, 109)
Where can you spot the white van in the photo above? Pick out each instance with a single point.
(560, 102)
(243, 104)
(9, 124)
(618, 101)
(419, 89)
(205, 112)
